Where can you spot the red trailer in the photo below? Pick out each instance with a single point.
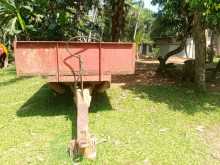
(82, 66)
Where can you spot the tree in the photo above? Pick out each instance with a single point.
(123, 24)
(118, 19)
(12, 22)
(47, 19)
(138, 23)
(61, 20)
(174, 19)
(108, 20)
(191, 18)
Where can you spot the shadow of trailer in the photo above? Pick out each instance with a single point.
(84, 67)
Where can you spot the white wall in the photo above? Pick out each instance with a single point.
(189, 52)
(190, 48)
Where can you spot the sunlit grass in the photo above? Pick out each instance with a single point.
(139, 124)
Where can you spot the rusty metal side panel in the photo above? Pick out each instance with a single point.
(98, 58)
(118, 58)
(35, 59)
(69, 58)
(92, 78)
(61, 59)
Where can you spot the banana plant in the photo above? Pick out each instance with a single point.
(11, 18)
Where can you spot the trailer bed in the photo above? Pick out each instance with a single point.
(65, 61)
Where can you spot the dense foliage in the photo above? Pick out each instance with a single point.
(61, 20)
(45, 20)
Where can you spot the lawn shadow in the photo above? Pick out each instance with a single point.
(45, 103)
(178, 98)
(147, 84)
(100, 102)
(13, 80)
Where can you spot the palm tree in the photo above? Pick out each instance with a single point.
(118, 19)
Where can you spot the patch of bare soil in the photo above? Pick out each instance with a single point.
(214, 87)
(212, 139)
(177, 59)
(146, 73)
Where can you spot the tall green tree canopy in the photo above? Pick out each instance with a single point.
(63, 19)
(47, 19)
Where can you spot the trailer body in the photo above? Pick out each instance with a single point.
(76, 63)
(59, 60)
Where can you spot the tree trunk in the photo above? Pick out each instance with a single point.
(200, 51)
(117, 19)
(162, 66)
(163, 60)
(141, 5)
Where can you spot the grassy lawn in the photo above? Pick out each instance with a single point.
(155, 125)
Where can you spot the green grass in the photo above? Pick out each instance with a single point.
(139, 123)
(216, 59)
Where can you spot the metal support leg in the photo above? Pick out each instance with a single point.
(84, 143)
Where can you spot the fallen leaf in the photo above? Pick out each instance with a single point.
(163, 130)
(200, 128)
